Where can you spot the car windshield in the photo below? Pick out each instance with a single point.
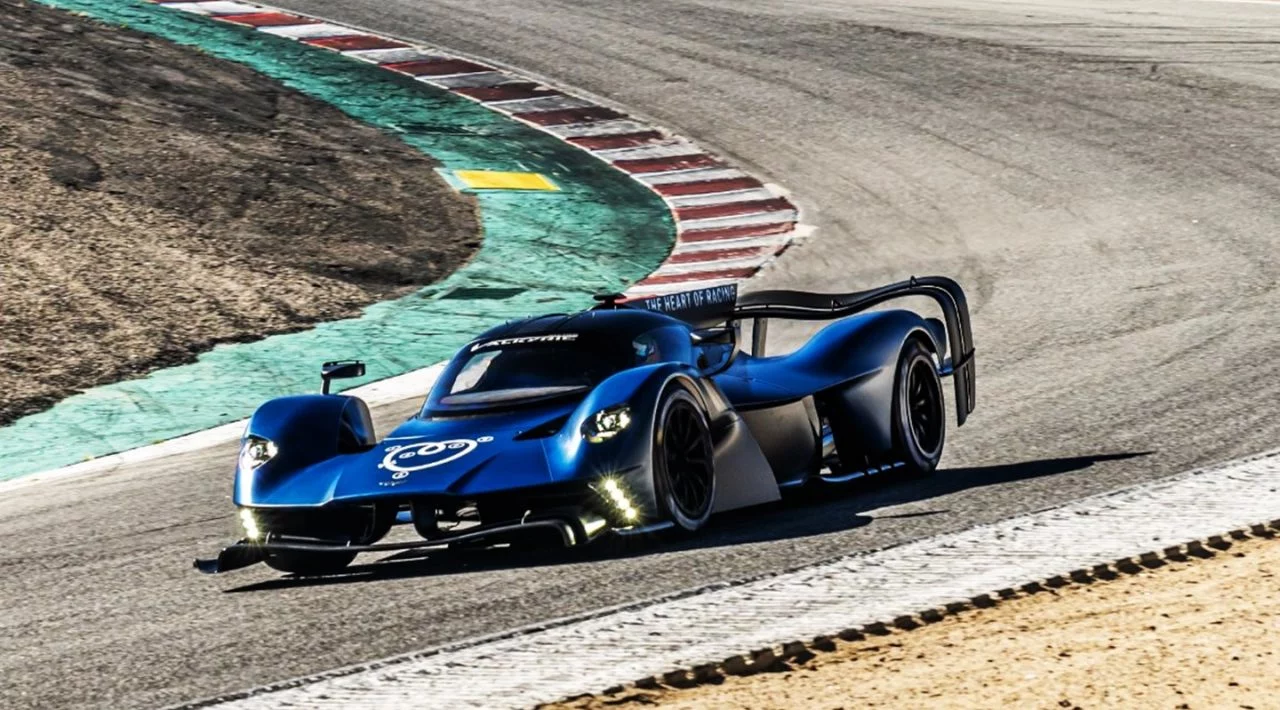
(530, 372)
(506, 371)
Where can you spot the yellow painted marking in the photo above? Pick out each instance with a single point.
(494, 180)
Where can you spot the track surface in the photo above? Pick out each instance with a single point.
(1113, 214)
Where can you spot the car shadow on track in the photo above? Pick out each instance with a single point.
(816, 510)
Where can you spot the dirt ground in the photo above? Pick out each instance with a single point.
(155, 201)
(1200, 634)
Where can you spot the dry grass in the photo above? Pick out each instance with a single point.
(156, 201)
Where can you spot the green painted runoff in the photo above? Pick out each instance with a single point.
(542, 252)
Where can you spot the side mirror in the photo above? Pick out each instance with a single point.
(339, 370)
(723, 335)
(715, 347)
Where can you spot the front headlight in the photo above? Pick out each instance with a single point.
(607, 423)
(250, 525)
(254, 452)
(613, 491)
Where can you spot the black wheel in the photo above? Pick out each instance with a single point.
(683, 467)
(919, 413)
(360, 525)
(309, 563)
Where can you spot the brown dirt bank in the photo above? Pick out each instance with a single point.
(1198, 634)
(155, 201)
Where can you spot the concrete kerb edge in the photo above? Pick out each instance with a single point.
(391, 389)
(782, 656)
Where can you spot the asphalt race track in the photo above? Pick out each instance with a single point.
(1102, 175)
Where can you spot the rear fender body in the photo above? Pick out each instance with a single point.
(848, 370)
(860, 358)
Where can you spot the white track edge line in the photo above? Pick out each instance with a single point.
(767, 240)
(392, 389)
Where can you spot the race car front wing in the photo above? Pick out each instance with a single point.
(250, 552)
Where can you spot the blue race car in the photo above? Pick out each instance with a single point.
(631, 417)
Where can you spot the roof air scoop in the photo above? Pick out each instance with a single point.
(609, 301)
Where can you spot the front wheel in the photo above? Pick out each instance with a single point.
(358, 525)
(683, 466)
(309, 564)
(919, 413)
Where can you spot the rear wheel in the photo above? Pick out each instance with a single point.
(919, 413)
(683, 466)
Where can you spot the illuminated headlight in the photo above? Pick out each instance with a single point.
(254, 452)
(250, 525)
(607, 423)
(613, 491)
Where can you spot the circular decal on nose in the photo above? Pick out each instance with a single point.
(405, 459)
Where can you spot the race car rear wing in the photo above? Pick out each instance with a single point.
(802, 305)
(700, 308)
(722, 304)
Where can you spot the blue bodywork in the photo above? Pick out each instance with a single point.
(539, 418)
(485, 453)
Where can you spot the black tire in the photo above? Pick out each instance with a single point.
(361, 528)
(919, 410)
(683, 466)
(309, 564)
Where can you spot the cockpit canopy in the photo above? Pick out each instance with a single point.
(565, 357)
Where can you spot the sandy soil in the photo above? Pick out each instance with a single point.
(155, 201)
(1201, 634)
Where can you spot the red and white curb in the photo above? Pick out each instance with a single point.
(729, 224)
(735, 628)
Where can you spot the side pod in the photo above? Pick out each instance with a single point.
(743, 475)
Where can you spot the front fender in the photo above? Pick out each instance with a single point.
(306, 430)
(627, 456)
